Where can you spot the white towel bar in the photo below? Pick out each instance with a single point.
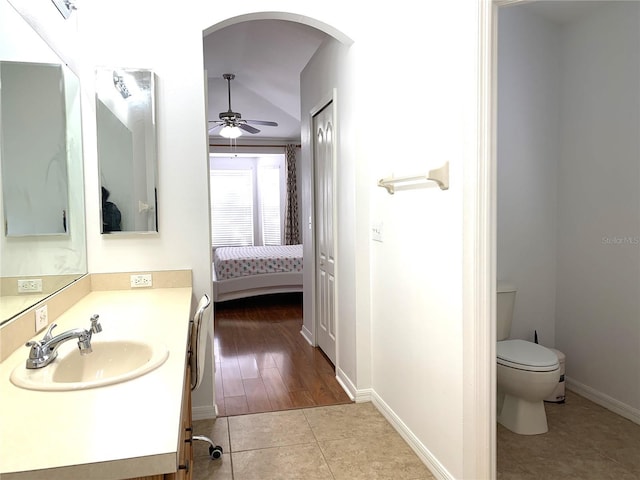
(439, 176)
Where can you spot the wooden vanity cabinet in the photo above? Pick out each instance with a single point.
(185, 452)
(185, 455)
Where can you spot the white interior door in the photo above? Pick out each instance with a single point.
(323, 151)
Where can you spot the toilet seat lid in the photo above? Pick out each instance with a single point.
(526, 356)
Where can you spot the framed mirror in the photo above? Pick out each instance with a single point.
(43, 239)
(126, 132)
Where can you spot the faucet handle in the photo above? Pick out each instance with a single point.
(96, 327)
(48, 336)
(84, 344)
(35, 351)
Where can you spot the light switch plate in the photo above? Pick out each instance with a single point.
(376, 231)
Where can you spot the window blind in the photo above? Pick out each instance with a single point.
(231, 208)
(269, 196)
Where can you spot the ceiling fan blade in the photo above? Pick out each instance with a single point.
(248, 128)
(262, 122)
(215, 127)
(234, 119)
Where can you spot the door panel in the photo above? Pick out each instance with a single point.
(324, 215)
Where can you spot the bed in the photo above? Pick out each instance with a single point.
(240, 272)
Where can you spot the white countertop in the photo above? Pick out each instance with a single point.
(118, 431)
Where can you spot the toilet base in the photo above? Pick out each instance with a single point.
(523, 417)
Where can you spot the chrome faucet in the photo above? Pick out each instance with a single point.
(43, 352)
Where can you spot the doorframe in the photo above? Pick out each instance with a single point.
(479, 332)
(338, 35)
(480, 438)
(312, 337)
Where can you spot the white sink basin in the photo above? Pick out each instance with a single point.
(110, 362)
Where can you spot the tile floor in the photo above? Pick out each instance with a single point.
(354, 441)
(342, 442)
(585, 442)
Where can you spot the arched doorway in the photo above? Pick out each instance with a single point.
(241, 44)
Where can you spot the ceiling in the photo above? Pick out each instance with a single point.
(266, 57)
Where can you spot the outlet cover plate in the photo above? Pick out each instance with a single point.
(42, 318)
(30, 285)
(141, 280)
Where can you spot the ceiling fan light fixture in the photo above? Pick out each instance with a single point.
(231, 122)
(230, 132)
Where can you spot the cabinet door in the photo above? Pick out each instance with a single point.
(187, 427)
(185, 447)
(185, 453)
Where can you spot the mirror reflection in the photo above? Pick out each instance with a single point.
(34, 173)
(125, 111)
(43, 242)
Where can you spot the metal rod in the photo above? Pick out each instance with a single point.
(249, 145)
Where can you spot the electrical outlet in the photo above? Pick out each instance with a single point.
(32, 285)
(376, 231)
(141, 280)
(42, 318)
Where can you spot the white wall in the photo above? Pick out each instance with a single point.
(568, 191)
(417, 274)
(528, 150)
(183, 214)
(598, 301)
(400, 302)
(326, 70)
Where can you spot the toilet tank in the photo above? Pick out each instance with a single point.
(504, 306)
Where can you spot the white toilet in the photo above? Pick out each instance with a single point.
(527, 373)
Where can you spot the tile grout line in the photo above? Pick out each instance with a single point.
(230, 448)
(324, 457)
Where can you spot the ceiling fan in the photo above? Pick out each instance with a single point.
(231, 123)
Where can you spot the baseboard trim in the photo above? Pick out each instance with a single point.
(604, 400)
(204, 413)
(437, 469)
(346, 384)
(364, 395)
(307, 335)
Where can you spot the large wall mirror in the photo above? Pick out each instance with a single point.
(126, 131)
(43, 239)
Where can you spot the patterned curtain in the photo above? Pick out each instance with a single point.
(291, 222)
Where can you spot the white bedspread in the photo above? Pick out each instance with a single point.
(234, 262)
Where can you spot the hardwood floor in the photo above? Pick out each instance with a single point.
(264, 364)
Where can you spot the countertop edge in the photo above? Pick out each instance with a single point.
(110, 470)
